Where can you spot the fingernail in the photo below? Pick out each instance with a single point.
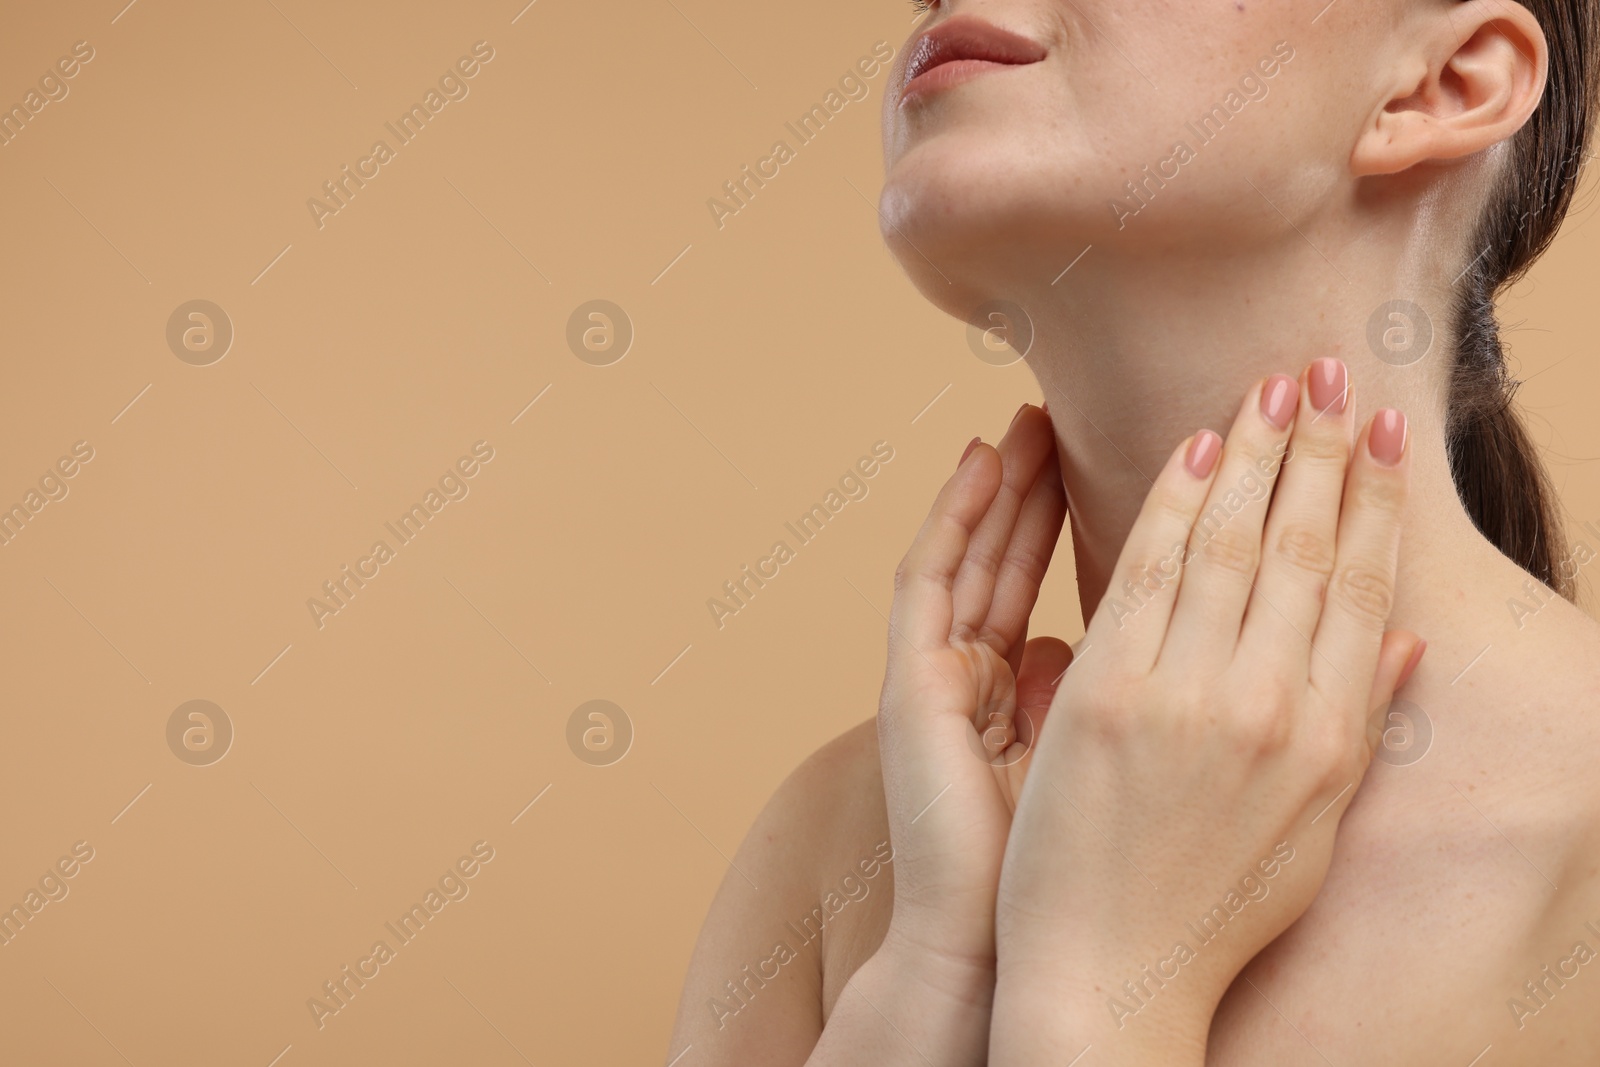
(1387, 442)
(1203, 453)
(1018, 415)
(1411, 663)
(1279, 395)
(968, 452)
(1045, 407)
(1329, 383)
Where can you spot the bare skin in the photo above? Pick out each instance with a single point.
(1435, 912)
(1455, 880)
(1429, 921)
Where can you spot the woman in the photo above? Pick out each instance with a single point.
(1175, 847)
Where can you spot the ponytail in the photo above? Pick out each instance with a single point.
(1493, 461)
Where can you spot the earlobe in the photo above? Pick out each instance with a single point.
(1483, 66)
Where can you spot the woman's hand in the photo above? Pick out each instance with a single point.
(1182, 802)
(959, 672)
(958, 666)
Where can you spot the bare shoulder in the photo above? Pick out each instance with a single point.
(1462, 909)
(1549, 697)
(1550, 815)
(802, 898)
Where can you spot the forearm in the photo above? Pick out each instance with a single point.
(902, 1009)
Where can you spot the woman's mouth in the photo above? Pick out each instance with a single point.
(960, 48)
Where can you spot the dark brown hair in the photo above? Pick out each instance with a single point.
(1494, 462)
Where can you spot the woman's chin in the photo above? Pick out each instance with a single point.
(964, 245)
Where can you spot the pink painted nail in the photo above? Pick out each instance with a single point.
(1329, 385)
(1203, 453)
(968, 452)
(1387, 442)
(1279, 396)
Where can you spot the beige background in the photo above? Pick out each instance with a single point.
(368, 355)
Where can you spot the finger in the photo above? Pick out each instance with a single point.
(1361, 592)
(1225, 543)
(1400, 653)
(921, 612)
(1027, 557)
(1018, 647)
(1024, 450)
(1138, 603)
(1044, 663)
(1410, 665)
(1303, 523)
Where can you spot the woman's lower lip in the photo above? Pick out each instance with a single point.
(948, 74)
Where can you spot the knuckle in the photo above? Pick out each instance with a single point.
(1146, 579)
(1306, 548)
(1323, 449)
(1167, 509)
(1028, 559)
(902, 573)
(1365, 591)
(911, 570)
(983, 557)
(1258, 732)
(1379, 491)
(1113, 689)
(1264, 724)
(1231, 550)
(1111, 713)
(1332, 754)
(1101, 721)
(1187, 699)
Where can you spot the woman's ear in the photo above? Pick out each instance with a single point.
(1476, 73)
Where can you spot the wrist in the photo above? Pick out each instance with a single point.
(1123, 1008)
(907, 1006)
(963, 982)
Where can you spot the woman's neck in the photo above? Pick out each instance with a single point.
(1131, 365)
